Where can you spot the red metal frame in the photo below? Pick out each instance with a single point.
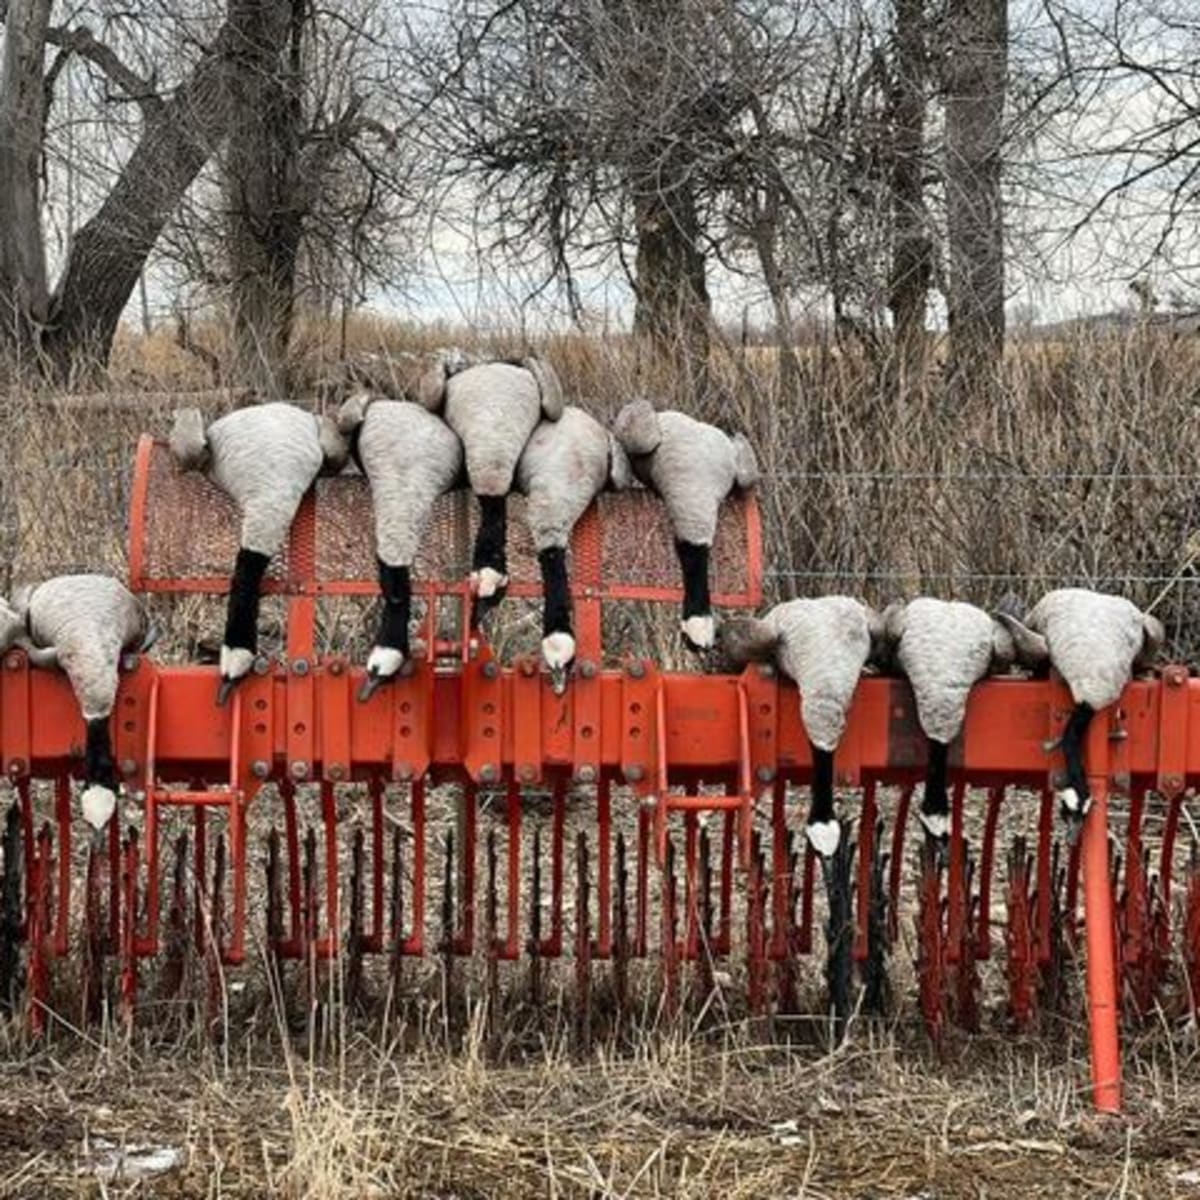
(463, 717)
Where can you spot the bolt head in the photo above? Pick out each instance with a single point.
(765, 774)
(587, 669)
(489, 773)
(766, 671)
(491, 669)
(16, 766)
(1175, 676)
(403, 771)
(337, 772)
(129, 662)
(337, 667)
(634, 773)
(637, 670)
(300, 666)
(128, 766)
(261, 665)
(586, 774)
(260, 768)
(527, 773)
(299, 769)
(14, 660)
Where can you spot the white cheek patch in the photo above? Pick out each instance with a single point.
(824, 837)
(236, 661)
(700, 632)
(385, 661)
(558, 649)
(98, 804)
(487, 581)
(1071, 803)
(937, 825)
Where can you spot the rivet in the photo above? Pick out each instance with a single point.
(634, 773)
(586, 774)
(491, 669)
(261, 665)
(300, 666)
(765, 774)
(16, 766)
(299, 769)
(403, 770)
(14, 660)
(336, 667)
(128, 766)
(637, 670)
(527, 773)
(587, 669)
(489, 773)
(649, 802)
(337, 772)
(259, 768)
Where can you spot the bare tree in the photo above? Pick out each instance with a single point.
(912, 247)
(975, 54)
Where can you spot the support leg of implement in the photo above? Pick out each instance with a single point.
(1101, 958)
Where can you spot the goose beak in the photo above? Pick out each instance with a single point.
(558, 679)
(370, 685)
(225, 691)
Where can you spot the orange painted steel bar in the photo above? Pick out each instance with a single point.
(461, 716)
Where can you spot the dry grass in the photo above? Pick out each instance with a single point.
(1077, 468)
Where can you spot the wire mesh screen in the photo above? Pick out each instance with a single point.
(190, 533)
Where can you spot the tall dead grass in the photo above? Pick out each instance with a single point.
(1077, 467)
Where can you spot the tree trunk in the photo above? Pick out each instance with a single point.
(912, 251)
(673, 309)
(23, 287)
(109, 252)
(976, 57)
(264, 219)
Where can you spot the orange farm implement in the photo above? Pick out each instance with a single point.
(659, 773)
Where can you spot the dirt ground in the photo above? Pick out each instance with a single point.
(382, 1109)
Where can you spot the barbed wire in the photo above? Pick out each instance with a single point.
(1064, 579)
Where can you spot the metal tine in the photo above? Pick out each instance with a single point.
(396, 915)
(309, 909)
(706, 981)
(620, 955)
(756, 958)
(12, 914)
(987, 870)
(175, 958)
(129, 893)
(642, 884)
(94, 939)
(446, 945)
(896, 868)
(965, 971)
(1022, 939)
(354, 935)
(930, 949)
(1191, 933)
(217, 941)
(38, 931)
(535, 927)
(492, 977)
(787, 999)
(877, 990)
(668, 939)
(583, 948)
(274, 913)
